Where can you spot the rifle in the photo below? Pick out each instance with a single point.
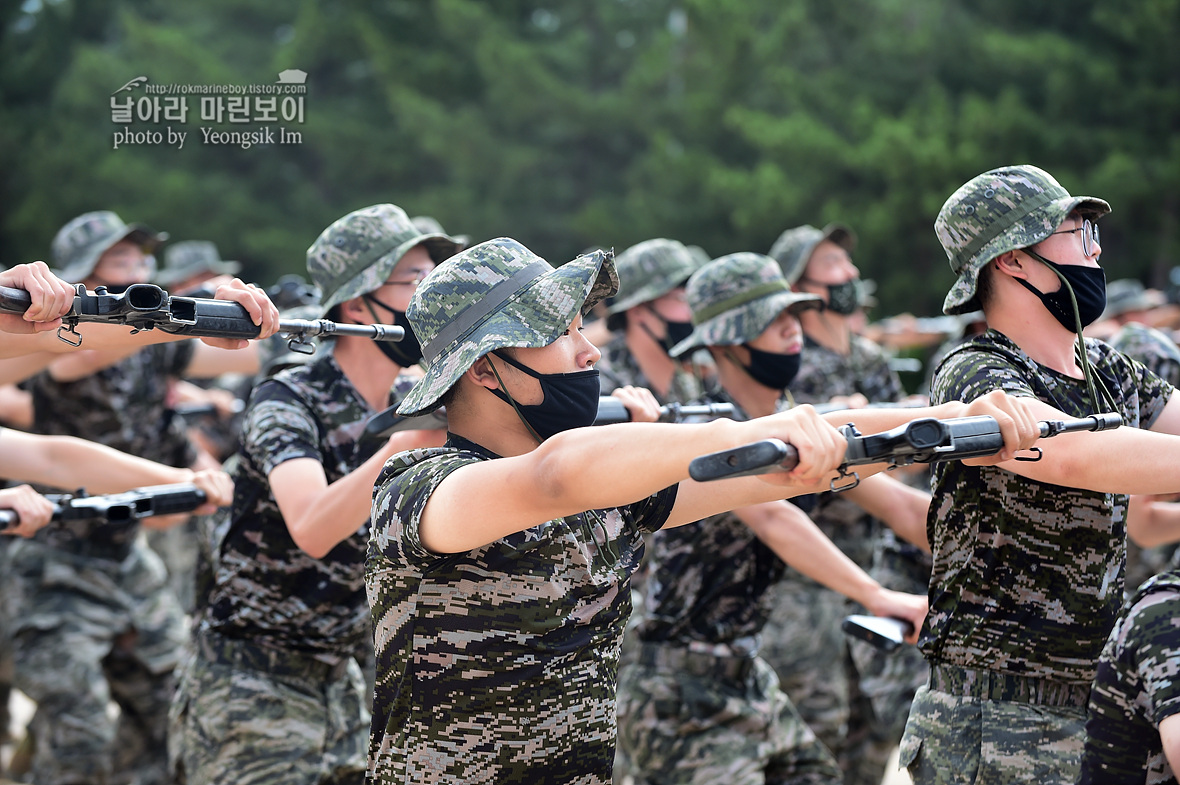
(611, 410)
(925, 440)
(118, 507)
(145, 306)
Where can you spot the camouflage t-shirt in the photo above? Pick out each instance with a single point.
(707, 583)
(617, 368)
(824, 374)
(498, 664)
(1028, 576)
(121, 406)
(266, 588)
(1152, 348)
(1136, 688)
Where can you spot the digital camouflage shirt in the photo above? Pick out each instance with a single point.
(266, 588)
(498, 664)
(1136, 688)
(617, 368)
(1028, 576)
(707, 583)
(121, 406)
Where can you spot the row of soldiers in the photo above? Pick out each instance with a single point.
(497, 557)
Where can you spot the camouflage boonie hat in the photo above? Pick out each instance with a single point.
(999, 211)
(190, 258)
(428, 224)
(1128, 294)
(735, 298)
(356, 254)
(79, 244)
(793, 247)
(493, 295)
(649, 270)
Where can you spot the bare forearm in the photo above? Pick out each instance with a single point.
(1151, 523)
(67, 462)
(335, 513)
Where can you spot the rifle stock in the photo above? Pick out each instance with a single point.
(925, 440)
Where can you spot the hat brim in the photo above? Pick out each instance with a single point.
(745, 322)
(1029, 230)
(535, 316)
(141, 235)
(440, 247)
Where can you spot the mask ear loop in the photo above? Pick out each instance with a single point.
(508, 398)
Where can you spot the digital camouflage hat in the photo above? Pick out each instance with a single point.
(191, 258)
(735, 298)
(1127, 294)
(649, 270)
(793, 247)
(356, 254)
(79, 244)
(496, 294)
(999, 211)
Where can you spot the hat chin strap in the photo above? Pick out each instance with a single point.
(504, 396)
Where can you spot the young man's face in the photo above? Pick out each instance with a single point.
(123, 264)
(403, 281)
(783, 336)
(1065, 245)
(829, 264)
(570, 353)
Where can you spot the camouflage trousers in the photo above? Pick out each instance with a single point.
(699, 719)
(249, 715)
(88, 632)
(956, 737)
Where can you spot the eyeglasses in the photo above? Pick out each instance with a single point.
(1089, 232)
(418, 276)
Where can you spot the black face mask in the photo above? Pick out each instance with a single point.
(405, 352)
(843, 298)
(771, 369)
(1089, 289)
(674, 332)
(571, 400)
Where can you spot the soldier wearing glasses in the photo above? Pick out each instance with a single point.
(272, 691)
(1028, 556)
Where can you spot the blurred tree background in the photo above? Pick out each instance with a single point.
(568, 124)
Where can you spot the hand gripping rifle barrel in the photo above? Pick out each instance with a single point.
(925, 440)
(145, 306)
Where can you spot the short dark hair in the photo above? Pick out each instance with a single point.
(984, 286)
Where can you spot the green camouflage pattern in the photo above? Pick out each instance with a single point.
(696, 725)
(735, 298)
(187, 259)
(498, 664)
(1151, 347)
(79, 244)
(999, 211)
(1028, 576)
(1135, 689)
(854, 699)
(86, 631)
(951, 739)
(121, 406)
(266, 588)
(650, 270)
(793, 248)
(356, 254)
(617, 368)
(529, 313)
(234, 723)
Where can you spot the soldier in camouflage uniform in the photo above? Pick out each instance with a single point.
(647, 319)
(1133, 723)
(857, 703)
(92, 619)
(701, 706)
(498, 566)
(286, 614)
(1028, 556)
